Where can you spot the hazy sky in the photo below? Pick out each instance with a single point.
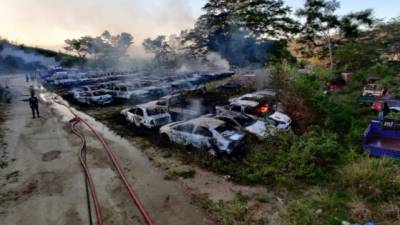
(48, 23)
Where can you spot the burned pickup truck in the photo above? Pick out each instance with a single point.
(210, 134)
(147, 115)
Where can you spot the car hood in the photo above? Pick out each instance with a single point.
(159, 116)
(232, 135)
(258, 128)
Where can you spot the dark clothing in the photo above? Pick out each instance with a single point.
(35, 110)
(34, 104)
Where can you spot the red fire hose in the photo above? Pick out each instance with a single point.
(117, 167)
(89, 179)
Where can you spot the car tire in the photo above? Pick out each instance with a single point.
(164, 139)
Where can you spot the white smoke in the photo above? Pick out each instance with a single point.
(27, 57)
(216, 60)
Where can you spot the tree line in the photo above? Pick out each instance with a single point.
(246, 32)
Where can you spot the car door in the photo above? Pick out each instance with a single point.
(116, 92)
(236, 108)
(182, 134)
(138, 117)
(130, 114)
(124, 92)
(201, 138)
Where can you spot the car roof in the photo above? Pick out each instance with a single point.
(152, 104)
(278, 116)
(245, 103)
(206, 122)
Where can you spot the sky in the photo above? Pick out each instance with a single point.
(47, 23)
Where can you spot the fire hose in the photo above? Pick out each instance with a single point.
(117, 167)
(88, 178)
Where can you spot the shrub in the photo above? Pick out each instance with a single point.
(288, 158)
(319, 208)
(372, 179)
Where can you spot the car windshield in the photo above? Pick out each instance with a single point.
(133, 88)
(155, 111)
(99, 93)
(224, 127)
(244, 121)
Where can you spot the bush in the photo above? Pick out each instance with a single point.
(318, 208)
(372, 179)
(233, 212)
(288, 158)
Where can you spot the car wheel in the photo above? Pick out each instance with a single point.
(164, 139)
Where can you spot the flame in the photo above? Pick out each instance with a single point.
(264, 109)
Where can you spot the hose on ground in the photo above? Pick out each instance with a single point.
(89, 180)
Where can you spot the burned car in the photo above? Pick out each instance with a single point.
(182, 108)
(259, 96)
(246, 123)
(129, 92)
(93, 97)
(373, 90)
(278, 122)
(249, 108)
(147, 115)
(206, 133)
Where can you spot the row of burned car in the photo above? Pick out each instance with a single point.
(92, 88)
(221, 130)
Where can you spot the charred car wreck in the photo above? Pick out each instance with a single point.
(210, 134)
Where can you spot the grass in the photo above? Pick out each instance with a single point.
(372, 179)
(184, 172)
(234, 212)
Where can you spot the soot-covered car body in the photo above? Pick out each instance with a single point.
(129, 92)
(251, 109)
(147, 115)
(277, 121)
(246, 123)
(205, 133)
(258, 96)
(93, 97)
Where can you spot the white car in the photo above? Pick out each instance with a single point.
(256, 96)
(93, 97)
(373, 90)
(129, 92)
(251, 109)
(147, 115)
(278, 122)
(205, 133)
(241, 121)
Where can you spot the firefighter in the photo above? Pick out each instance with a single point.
(34, 104)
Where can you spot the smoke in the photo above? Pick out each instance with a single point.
(27, 57)
(213, 61)
(241, 49)
(57, 20)
(216, 60)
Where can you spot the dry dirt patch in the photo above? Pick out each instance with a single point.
(50, 156)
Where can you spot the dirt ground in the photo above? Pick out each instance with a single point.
(41, 180)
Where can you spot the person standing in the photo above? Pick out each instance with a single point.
(34, 104)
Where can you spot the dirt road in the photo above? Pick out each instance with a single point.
(41, 181)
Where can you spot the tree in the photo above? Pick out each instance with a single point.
(225, 20)
(355, 56)
(106, 48)
(79, 46)
(262, 18)
(323, 29)
(159, 47)
(386, 38)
